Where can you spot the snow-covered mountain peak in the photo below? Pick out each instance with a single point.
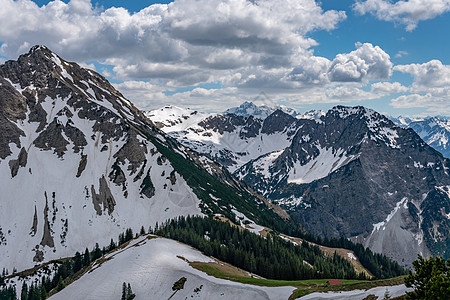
(311, 115)
(348, 111)
(248, 108)
(435, 131)
(79, 164)
(172, 118)
(379, 127)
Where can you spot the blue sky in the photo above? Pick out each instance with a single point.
(391, 56)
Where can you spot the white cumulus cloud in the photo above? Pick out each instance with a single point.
(368, 62)
(430, 74)
(222, 35)
(349, 93)
(430, 88)
(409, 12)
(388, 88)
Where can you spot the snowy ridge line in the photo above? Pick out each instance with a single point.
(86, 162)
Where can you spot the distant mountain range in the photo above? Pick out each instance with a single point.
(348, 172)
(435, 131)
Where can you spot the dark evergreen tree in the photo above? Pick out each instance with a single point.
(129, 292)
(431, 279)
(96, 253)
(60, 286)
(77, 262)
(128, 234)
(124, 291)
(43, 292)
(112, 245)
(8, 293)
(24, 292)
(86, 258)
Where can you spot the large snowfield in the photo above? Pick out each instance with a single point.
(152, 266)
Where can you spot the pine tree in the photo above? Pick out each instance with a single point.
(97, 253)
(43, 292)
(142, 230)
(77, 262)
(112, 245)
(129, 291)
(60, 284)
(130, 294)
(431, 279)
(128, 234)
(24, 292)
(124, 291)
(86, 258)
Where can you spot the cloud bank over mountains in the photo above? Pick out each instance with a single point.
(241, 46)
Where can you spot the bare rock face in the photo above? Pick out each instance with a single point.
(104, 200)
(147, 187)
(21, 161)
(12, 109)
(229, 122)
(35, 223)
(355, 174)
(277, 122)
(82, 165)
(134, 151)
(47, 239)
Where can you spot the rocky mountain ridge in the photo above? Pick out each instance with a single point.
(79, 164)
(321, 170)
(247, 109)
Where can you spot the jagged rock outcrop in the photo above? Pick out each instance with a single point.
(21, 161)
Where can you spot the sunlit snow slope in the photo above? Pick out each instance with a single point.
(76, 167)
(152, 266)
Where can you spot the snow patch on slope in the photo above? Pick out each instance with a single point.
(152, 267)
(378, 226)
(328, 161)
(173, 118)
(379, 292)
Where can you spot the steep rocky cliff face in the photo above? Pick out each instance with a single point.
(355, 174)
(79, 164)
(350, 172)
